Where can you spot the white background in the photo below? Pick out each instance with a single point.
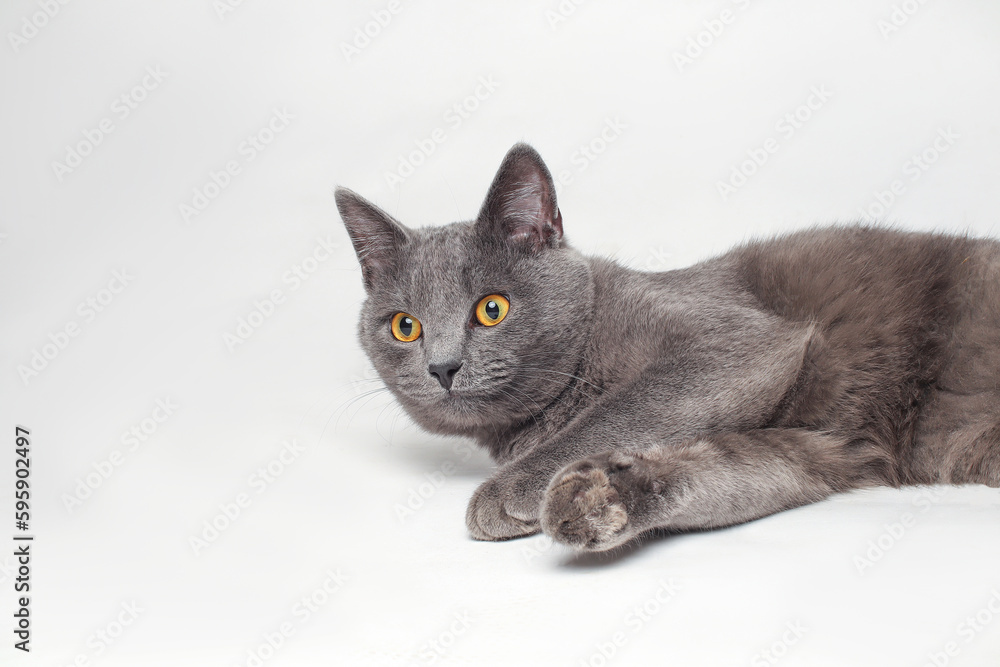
(649, 196)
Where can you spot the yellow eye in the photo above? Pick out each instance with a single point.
(492, 309)
(405, 327)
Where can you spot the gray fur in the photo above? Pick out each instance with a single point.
(617, 401)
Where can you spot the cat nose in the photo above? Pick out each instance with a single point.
(445, 372)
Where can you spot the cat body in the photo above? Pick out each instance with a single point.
(617, 401)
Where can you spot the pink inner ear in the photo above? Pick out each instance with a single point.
(557, 223)
(535, 234)
(524, 201)
(523, 233)
(521, 202)
(527, 211)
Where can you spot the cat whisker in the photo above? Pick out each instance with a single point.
(328, 398)
(564, 386)
(569, 375)
(371, 395)
(394, 406)
(559, 398)
(339, 411)
(503, 392)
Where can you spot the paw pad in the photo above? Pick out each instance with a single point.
(583, 509)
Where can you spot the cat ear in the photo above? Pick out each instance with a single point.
(521, 203)
(376, 236)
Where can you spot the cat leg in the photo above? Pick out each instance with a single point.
(974, 458)
(665, 404)
(504, 507)
(957, 439)
(604, 500)
(507, 505)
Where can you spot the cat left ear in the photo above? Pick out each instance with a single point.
(375, 234)
(521, 202)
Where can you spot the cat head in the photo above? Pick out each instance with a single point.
(474, 326)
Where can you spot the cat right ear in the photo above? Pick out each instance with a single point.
(521, 203)
(375, 234)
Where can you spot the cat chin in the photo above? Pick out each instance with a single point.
(457, 413)
(449, 424)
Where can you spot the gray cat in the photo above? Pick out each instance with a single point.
(618, 401)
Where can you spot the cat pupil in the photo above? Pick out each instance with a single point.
(406, 326)
(492, 310)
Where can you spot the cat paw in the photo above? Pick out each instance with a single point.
(495, 513)
(583, 508)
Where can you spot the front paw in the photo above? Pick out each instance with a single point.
(587, 504)
(497, 512)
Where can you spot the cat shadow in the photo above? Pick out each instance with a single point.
(462, 460)
(662, 538)
(594, 560)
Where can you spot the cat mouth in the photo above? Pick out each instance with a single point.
(463, 394)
